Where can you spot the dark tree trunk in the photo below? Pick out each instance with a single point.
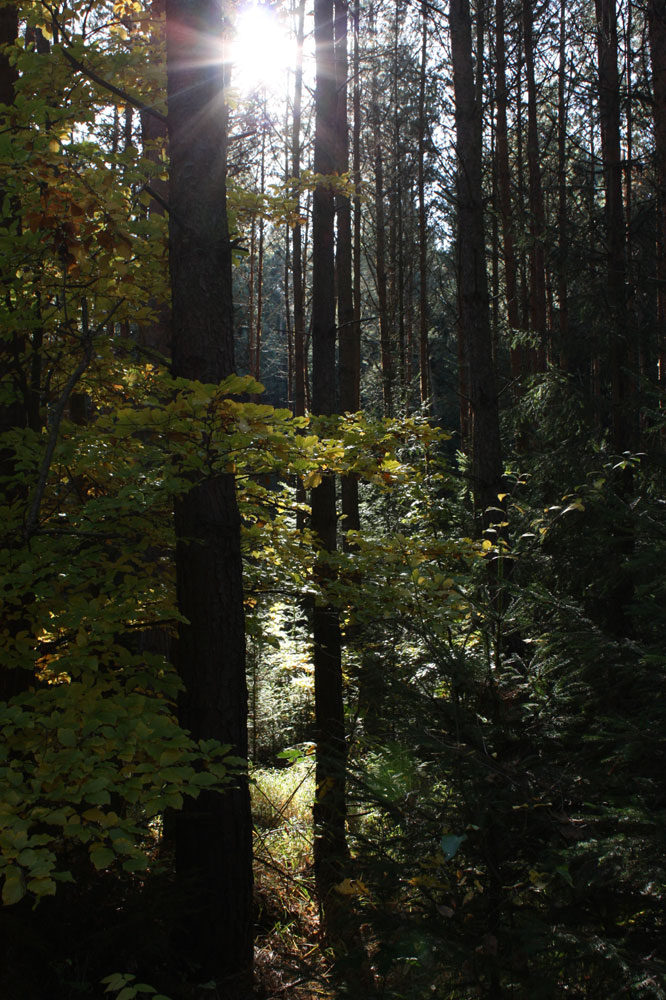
(657, 30)
(380, 239)
(213, 834)
(343, 258)
(329, 809)
(473, 300)
(299, 296)
(348, 327)
(562, 225)
(538, 322)
(424, 383)
(504, 181)
(609, 115)
(14, 409)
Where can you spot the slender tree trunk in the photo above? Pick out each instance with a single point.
(260, 257)
(156, 335)
(356, 167)
(609, 115)
(524, 296)
(538, 321)
(251, 328)
(657, 32)
(14, 408)
(213, 834)
(380, 239)
(424, 384)
(504, 187)
(348, 329)
(343, 258)
(329, 810)
(562, 207)
(473, 304)
(297, 271)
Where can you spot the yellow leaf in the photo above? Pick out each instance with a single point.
(312, 480)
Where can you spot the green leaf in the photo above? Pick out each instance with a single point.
(101, 856)
(14, 888)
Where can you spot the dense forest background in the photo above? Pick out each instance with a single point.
(332, 452)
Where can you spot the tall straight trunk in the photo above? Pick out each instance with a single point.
(343, 256)
(329, 809)
(538, 321)
(473, 299)
(260, 260)
(657, 32)
(297, 270)
(156, 335)
(609, 116)
(358, 215)
(562, 207)
(213, 834)
(14, 408)
(424, 385)
(251, 327)
(348, 329)
(380, 237)
(524, 291)
(504, 187)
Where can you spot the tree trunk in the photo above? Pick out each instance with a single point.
(260, 258)
(609, 115)
(657, 30)
(14, 409)
(329, 809)
(424, 385)
(213, 834)
(473, 304)
(297, 271)
(348, 327)
(562, 225)
(538, 322)
(380, 242)
(504, 184)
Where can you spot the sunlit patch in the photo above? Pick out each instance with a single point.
(262, 50)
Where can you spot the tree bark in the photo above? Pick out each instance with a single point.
(473, 299)
(329, 809)
(348, 328)
(297, 252)
(657, 33)
(213, 834)
(609, 116)
(14, 411)
(562, 224)
(504, 183)
(380, 241)
(538, 321)
(424, 383)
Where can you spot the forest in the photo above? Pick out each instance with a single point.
(333, 499)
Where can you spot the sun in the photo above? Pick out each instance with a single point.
(262, 50)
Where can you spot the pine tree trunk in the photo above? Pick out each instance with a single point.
(609, 116)
(473, 299)
(213, 834)
(424, 383)
(538, 321)
(297, 271)
(657, 31)
(562, 225)
(14, 408)
(504, 184)
(329, 808)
